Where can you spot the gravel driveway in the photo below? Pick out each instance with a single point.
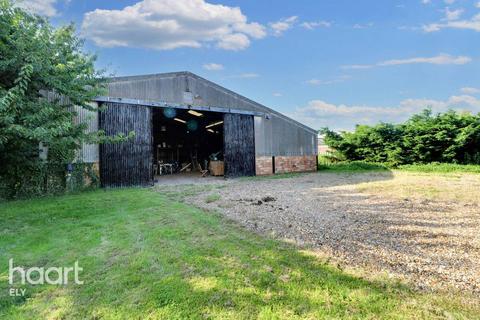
(431, 244)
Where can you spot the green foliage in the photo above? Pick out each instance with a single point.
(450, 137)
(373, 144)
(52, 179)
(43, 74)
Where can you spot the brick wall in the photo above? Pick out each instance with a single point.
(295, 164)
(263, 166)
(285, 164)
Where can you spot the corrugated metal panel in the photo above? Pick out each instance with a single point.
(278, 135)
(170, 87)
(88, 153)
(163, 104)
(275, 137)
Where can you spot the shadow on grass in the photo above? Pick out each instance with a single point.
(147, 257)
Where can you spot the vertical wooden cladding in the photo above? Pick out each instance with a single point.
(239, 145)
(128, 163)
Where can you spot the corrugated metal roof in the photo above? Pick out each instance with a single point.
(251, 104)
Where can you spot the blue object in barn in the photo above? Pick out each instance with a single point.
(169, 113)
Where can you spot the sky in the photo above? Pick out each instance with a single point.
(325, 63)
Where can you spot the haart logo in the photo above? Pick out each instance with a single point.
(36, 276)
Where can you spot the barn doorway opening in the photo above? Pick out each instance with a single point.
(187, 142)
(172, 142)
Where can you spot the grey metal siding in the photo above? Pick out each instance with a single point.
(169, 89)
(88, 153)
(276, 136)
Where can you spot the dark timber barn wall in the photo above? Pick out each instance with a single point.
(126, 163)
(239, 145)
(276, 142)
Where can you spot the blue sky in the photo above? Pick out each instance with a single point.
(325, 63)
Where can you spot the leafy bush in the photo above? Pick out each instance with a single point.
(45, 76)
(50, 179)
(44, 73)
(450, 137)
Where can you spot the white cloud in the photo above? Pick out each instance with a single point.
(316, 24)
(319, 113)
(451, 15)
(441, 59)
(234, 42)
(40, 7)
(426, 1)
(170, 24)
(449, 1)
(247, 75)
(283, 25)
(470, 90)
(408, 28)
(358, 66)
(470, 24)
(477, 5)
(464, 101)
(213, 67)
(363, 26)
(317, 82)
(277, 94)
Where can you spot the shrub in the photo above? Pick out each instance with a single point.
(449, 137)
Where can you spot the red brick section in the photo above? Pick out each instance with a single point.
(285, 164)
(263, 166)
(295, 164)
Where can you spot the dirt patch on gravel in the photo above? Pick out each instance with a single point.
(431, 244)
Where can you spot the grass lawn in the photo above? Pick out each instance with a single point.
(442, 168)
(147, 257)
(361, 166)
(435, 181)
(449, 186)
(351, 166)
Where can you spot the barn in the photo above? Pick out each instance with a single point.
(184, 123)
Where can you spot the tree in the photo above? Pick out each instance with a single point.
(446, 137)
(370, 143)
(43, 74)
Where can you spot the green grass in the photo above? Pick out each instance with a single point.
(441, 168)
(145, 256)
(212, 198)
(357, 166)
(352, 166)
